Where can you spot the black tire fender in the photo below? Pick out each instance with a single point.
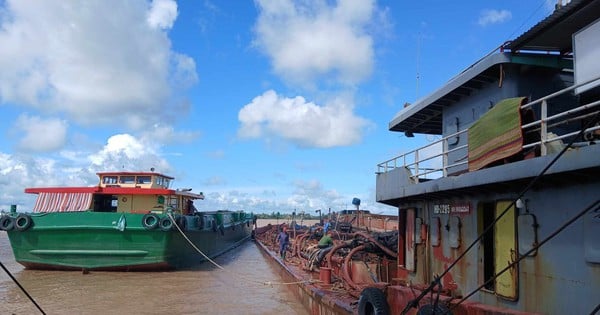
(7, 223)
(150, 221)
(22, 222)
(372, 301)
(214, 226)
(429, 309)
(165, 224)
(222, 229)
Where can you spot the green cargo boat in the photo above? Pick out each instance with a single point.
(129, 221)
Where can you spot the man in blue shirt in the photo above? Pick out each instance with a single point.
(326, 226)
(284, 240)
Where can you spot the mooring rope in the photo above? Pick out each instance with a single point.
(242, 276)
(22, 289)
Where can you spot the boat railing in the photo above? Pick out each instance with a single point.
(432, 160)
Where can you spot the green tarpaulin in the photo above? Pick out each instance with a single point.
(497, 134)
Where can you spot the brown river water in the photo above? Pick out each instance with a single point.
(249, 283)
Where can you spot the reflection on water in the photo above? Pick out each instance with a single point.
(238, 289)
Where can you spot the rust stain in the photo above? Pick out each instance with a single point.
(438, 253)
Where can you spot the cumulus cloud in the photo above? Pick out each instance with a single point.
(96, 62)
(304, 123)
(307, 195)
(309, 39)
(166, 134)
(40, 135)
(488, 17)
(121, 152)
(20, 171)
(126, 152)
(162, 14)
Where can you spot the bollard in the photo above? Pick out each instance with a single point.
(325, 275)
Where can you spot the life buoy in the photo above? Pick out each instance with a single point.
(7, 223)
(150, 221)
(22, 222)
(165, 224)
(372, 302)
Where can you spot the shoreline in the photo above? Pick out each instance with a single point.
(265, 222)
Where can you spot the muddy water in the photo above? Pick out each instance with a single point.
(238, 288)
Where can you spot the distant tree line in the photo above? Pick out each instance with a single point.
(279, 215)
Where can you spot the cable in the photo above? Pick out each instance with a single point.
(595, 205)
(528, 18)
(415, 302)
(22, 289)
(242, 276)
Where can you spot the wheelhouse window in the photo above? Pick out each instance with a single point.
(162, 181)
(127, 179)
(109, 180)
(144, 179)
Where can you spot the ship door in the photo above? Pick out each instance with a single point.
(505, 248)
(498, 248)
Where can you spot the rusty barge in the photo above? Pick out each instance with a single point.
(499, 216)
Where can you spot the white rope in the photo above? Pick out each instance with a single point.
(269, 283)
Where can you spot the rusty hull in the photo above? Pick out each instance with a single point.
(352, 268)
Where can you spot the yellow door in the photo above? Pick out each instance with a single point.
(505, 247)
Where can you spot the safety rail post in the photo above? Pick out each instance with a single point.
(543, 128)
(445, 157)
(417, 170)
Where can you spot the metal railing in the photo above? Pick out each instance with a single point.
(432, 161)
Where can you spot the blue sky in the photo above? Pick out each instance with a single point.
(262, 105)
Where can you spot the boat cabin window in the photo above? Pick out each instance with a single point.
(144, 179)
(110, 180)
(162, 181)
(127, 179)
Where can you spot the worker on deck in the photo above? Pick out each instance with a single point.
(284, 240)
(326, 240)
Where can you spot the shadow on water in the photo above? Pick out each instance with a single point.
(237, 289)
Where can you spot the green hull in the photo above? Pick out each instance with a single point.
(118, 241)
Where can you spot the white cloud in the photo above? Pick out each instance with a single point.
(303, 123)
(21, 171)
(40, 135)
(162, 14)
(306, 196)
(488, 17)
(121, 152)
(97, 62)
(309, 39)
(185, 71)
(166, 134)
(125, 152)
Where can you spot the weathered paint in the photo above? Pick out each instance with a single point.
(505, 250)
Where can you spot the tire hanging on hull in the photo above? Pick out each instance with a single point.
(372, 301)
